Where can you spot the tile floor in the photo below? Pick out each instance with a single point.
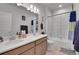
(55, 49)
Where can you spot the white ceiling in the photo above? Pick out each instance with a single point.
(53, 6)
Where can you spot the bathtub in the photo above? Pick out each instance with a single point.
(64, 43)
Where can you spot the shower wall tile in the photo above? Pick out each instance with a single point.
(71, 35)
(71, 30)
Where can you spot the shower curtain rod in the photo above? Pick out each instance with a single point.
(58, 14)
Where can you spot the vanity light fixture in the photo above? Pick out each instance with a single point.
(29, 7)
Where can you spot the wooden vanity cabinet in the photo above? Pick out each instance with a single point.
(37, 47)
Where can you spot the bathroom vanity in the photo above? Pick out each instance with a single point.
(32, 45)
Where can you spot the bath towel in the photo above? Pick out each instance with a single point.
(72, 16)
(76, 37)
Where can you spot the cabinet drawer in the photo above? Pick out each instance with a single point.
(41, 40)
(19, 50)
(29, 52)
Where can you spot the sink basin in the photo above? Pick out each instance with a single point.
(3, 42)
(13, 42)
(10, 42)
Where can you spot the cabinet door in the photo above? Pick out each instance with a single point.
(44, 47)
(39, 49)
(29, 52)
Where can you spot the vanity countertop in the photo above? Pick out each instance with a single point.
(19, 42)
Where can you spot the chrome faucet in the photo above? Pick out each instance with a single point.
(1, 39)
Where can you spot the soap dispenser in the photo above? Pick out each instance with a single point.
(23, 34)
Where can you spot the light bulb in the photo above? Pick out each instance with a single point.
(19, 4)
(28, 8)
(60, 6)
(37, 10)
(31, 6)
(32, 10)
